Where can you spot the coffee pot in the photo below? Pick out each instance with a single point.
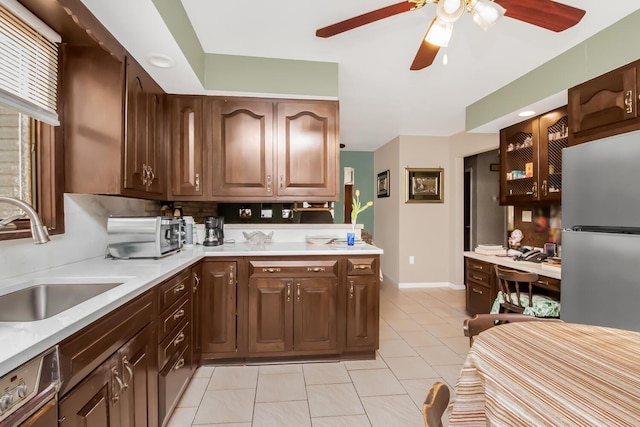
(213, 231)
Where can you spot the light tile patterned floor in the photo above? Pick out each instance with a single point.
(421, 341)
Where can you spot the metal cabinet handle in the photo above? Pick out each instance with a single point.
(268, 183)
(116, 382)
(476, 277)
(145, 173)
(288, 292)
(178, 288)
(477, 267)
(129, 369)
(535, 189)
(197, 182)
(542, 282)
(281, 182)
(179, 314)
(350, 288)
(271, 270)
(150, 175)
(179, 364)
(197, 280)
(544, 187)
(179, 339)
(316, 269)
(628, 102)
(361, 267)
(477, 291)
(231, 276)
(298, 291)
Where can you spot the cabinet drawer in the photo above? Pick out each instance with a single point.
(361, 266)
(479, 277)
(478, 298)
(481, 266)
(172, 380)
(173, 342)
(173, 289)
(288, 268)
(178, 312)
(548, 283)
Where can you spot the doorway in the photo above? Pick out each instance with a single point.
(468, 209)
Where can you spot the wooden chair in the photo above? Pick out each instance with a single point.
(482, 322)
(435, 404)
(517, 296)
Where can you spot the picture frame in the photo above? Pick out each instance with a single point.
(424, 185)
(383, 184)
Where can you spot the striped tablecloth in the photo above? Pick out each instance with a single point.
(550, 374)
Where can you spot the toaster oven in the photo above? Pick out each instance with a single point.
(143, 236)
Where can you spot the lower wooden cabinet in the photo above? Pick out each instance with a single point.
(218, 305)
(481, 286)
(196, 313)
(117, 392)
(292, 306)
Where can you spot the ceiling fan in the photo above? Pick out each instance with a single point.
(546, 14)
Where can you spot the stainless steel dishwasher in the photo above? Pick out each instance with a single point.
(29, 393)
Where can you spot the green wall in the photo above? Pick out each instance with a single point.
(365, 179)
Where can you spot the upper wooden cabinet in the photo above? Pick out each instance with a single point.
(531, 159)
(187, 148)
(113, 139)
(606, 105)
(144, 161)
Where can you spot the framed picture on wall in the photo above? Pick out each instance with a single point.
(424, 185)
(383, 184)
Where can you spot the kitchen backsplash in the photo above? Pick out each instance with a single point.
(545, 225)
(85, 235)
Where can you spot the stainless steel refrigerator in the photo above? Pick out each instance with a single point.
(601, 232)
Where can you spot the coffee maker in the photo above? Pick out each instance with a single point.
(213, 231)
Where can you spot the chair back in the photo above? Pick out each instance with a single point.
(435, 404)
(511, 281)
(482, 322)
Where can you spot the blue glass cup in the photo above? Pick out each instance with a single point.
(351, 239)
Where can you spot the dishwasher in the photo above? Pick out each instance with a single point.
(29, 393)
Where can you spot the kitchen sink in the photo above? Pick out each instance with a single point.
(43, 300)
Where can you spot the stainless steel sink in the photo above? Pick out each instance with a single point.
(45, 300)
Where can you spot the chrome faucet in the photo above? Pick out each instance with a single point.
(38, 230)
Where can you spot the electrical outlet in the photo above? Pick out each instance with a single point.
(412, 259)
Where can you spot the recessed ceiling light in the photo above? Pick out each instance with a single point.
(161, 61)
(527, 113)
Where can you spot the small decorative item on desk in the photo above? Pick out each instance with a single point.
(356, 208)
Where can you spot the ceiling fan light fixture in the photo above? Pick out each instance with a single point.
(450, 10)
(439, 33)
(485, 13)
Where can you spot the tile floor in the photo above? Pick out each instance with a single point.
(421, 341)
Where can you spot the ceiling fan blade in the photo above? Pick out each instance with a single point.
(543, 13)
(426, 53)
(365, 19)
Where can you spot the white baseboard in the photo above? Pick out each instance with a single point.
(425, 285)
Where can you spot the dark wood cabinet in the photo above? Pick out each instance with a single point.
(196, 312)
(292, 306)
(144, 169)
(187, 148)
(113, 140)
(243, 148)
(219, 320)
(116, 393)
(307, 155)
(481, 286)
(363, 302)
(255, 149)
(606, 105)
(531, 159)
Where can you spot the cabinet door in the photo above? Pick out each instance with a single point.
(187, 146)
(314, 326)
(136, 130)
(155, 157)
(362, 312)
(307, 151)
(270, 315)
(94, 401)
(196, 313)
(519, 162)
(601, 106)
(242, 148)
(137, 405)
(554, 136)
(219, 297)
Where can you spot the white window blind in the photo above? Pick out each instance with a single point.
(28, 63)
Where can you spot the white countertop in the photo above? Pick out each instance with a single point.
(21, 341)
(531, 267)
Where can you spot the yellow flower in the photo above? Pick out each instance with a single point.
(356, 207)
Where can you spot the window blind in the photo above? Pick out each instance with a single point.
(28, 63)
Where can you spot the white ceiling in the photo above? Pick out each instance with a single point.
(379, 97)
